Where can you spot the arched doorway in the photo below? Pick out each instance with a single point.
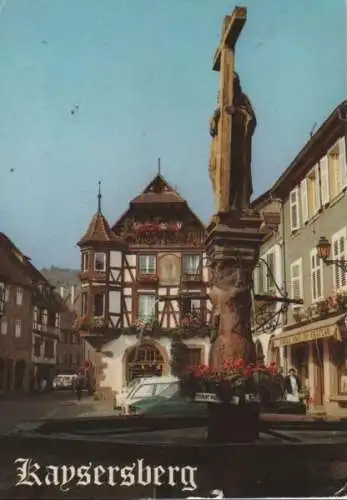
(259, 353)
(143, 361)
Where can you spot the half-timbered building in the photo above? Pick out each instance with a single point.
(144, 284)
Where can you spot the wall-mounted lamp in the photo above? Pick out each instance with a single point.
(323, 250)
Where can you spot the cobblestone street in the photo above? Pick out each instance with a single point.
(52, 405)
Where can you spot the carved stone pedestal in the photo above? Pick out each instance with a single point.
(233, 244)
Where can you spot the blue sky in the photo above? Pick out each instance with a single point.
(140, 72)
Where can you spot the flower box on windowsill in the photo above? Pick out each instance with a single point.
(148, 278)
(191, 278)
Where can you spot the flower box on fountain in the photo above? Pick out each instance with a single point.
(237, 383)
(234, 397)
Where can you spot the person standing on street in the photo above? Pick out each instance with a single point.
(79, 386)
(292, 387)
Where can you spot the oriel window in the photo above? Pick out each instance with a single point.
(85, 261)
(100, 261)
(99, 304)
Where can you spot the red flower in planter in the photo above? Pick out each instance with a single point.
(229, 365)
(248, 370)
(201, 370)
(239, 364)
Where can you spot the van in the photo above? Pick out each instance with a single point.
(145, 388)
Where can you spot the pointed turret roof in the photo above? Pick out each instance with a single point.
(99, 230)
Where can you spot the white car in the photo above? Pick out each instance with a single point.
(143, 388)
(64, 381)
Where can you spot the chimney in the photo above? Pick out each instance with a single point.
(62, 292)
(73, 291)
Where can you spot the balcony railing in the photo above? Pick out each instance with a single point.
(41, 327)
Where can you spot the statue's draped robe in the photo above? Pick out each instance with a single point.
(243, 126)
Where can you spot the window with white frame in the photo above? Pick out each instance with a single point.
(45, 317)
(99, 305)
(85, 261)
(18, 328)
(7, 293)
(19, 296)
(146, 307)
(57, 320)
(294, 209)
(296, 280)
(147, 264)
(191, 265)
(270, 272)
(4, 325)
(316, 276)
(338, 250)
(99, 261)
(36, 314)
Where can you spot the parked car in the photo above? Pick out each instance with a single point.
(64, 381)
(171, 403)
(144, 388)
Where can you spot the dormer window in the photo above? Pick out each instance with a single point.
(99, 261)
(85, 261)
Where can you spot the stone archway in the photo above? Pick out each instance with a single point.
(259, 352)
(147, 359)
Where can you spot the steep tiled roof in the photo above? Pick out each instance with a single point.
(99, 231)
(12, 273)
(158, 191)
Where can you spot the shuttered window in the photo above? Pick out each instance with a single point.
(294, 209)
(296, 280)
(324, 175)
(316, 276)
(270, 272)
(338, 249)
(304, 200)
(343, 162)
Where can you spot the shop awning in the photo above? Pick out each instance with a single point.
(318, 330)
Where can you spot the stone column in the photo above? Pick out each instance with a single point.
(311, 371)
(233, 244)
(327, 376)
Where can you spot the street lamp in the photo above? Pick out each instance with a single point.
(323, 250)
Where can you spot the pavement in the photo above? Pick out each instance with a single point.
(54, 405)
